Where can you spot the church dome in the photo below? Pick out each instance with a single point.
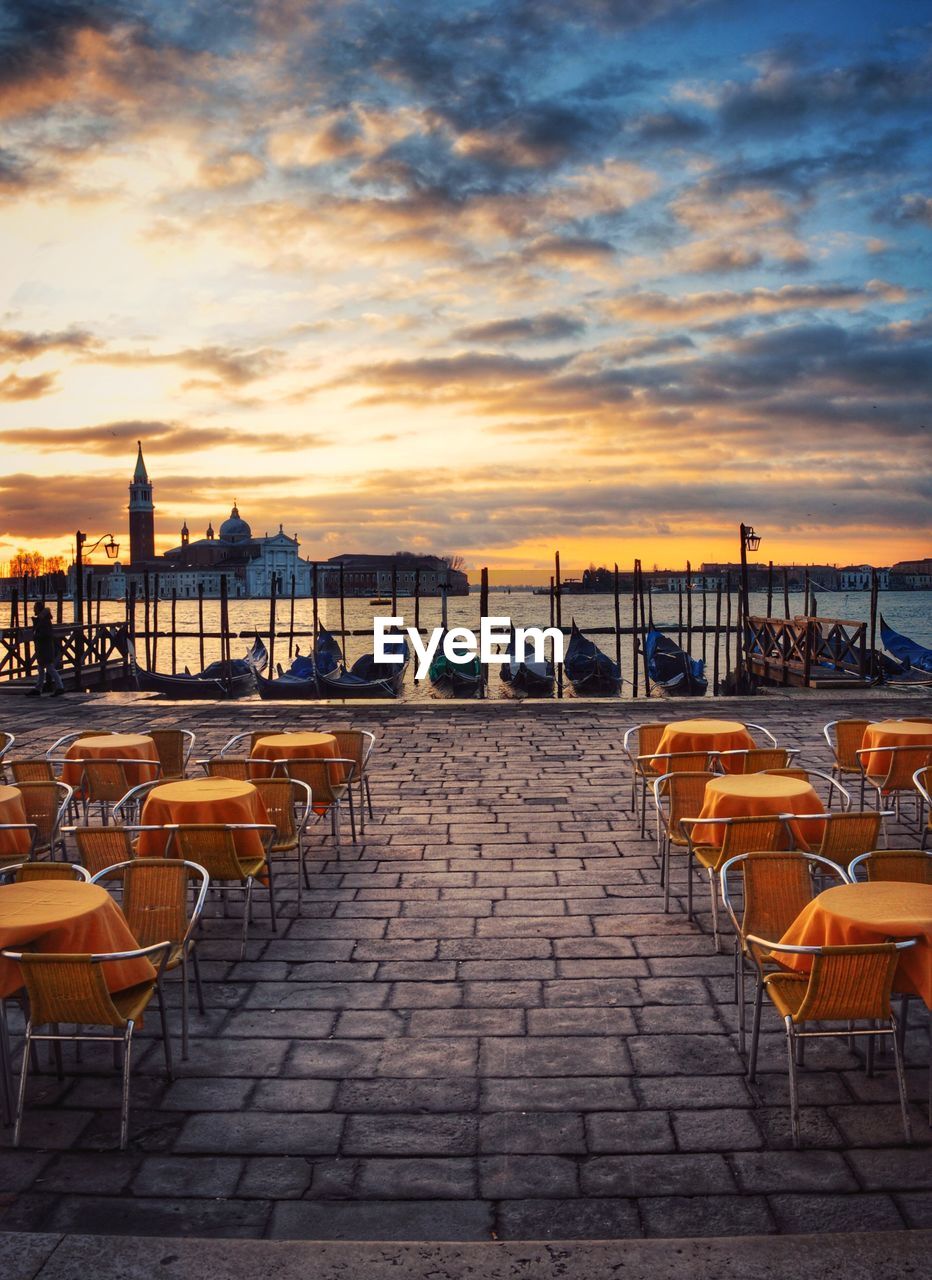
(235, 529)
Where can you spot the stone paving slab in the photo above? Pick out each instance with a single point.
(482, 1026)
(855, 1256)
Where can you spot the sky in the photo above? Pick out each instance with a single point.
(489, 278)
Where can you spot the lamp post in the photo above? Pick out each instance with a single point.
(750, 541)
(111, 547)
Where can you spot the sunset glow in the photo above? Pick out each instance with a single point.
(490, 278)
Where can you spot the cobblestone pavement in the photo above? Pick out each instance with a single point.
(482, 1025)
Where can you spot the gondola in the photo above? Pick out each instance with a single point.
(461, 679)
(913, 656)
(212, 682)
(367, 678)
(588, 669)
(301, 679)
(672, 669)
(533, 678)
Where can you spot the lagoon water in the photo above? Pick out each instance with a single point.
(908, 612)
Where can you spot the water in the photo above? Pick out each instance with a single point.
(906, 611)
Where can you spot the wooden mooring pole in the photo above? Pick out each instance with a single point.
(559, 619)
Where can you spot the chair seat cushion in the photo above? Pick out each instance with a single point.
(787, 991)
(132, 1001)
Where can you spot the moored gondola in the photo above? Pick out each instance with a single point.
(212, 682)
(588, 669)
(461, 679)
(301, 679)
(913, 656)
(672, 669)
(368, 678)
(532, 678)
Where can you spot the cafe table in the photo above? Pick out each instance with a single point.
(134, 747)
(66, 916)
(702, 735)
(757, 795)
(12, 811)
(203, 800)
(291, 746)
(893, 733)
(855, 914)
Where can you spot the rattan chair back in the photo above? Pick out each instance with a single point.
(849, 735)
(897, 775)
(747, 835)
(68, 988)
(174, 747)
(228, 767)
(101, 847)
(45, 804)
(279, 796)
(846, 834)
(356, 745)
(322, 775)
(909, 866)
(31, 871)
(685, 794)
(212, 846)
(849, 983)
(777, 886)
(759, 759)
(32, 771)
(155, 899)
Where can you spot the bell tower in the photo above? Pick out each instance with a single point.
(141, 514)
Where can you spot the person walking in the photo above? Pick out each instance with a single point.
(43, 642)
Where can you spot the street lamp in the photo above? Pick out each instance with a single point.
(750, 541)
(112, 549)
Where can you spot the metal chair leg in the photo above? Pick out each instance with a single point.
(352, 813)
(369, 796)
(901, 1081)
(739, 997)
(712, 887)
(166, 1038)
(755, 1030)
(794, 1083)
(271, 888)
(124, 1111)
(247, 907)
(21, 1096)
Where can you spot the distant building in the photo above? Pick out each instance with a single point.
(911, 575)
(857, 577)
(373, 575)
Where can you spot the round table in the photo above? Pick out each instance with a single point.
(291, 746)
(12, 809)
(853, 914)
(704, 735)
(112, 746)
(893, 733)
(203, 800)
(69, 917)
(757, 794)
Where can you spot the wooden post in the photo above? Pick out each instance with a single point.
(553, 615)
(145, 617)
(101, 649)
(59, 606)
(718, 635)
(807, 655)
(635, 648)
(484, 613)
(742, 662)
(200, 622)
(273, 601)
(291, 621)
(704, 626)
(314, 603)
(394, 587)
(617, 622)
(689, 607)
(174, 630)
(769, 588)
(131, 613)
(640, 587)
(679, 614)
(806, 597)
(559, 665)
(417, 599)
(99, 592)
(342, 609)
(155, 624)
(786, 593)
(873, 619)
(727, 624)
(225, 635)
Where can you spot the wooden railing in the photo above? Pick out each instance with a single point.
(778, 648)
(95, 653)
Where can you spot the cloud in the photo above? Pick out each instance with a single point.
(13, 387)
(708, 308)
(115, 439)
(229, 365)
(547, 327)
(18, 344)
(913, 207)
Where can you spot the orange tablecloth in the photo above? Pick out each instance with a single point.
(704, 735)
(852, 914)
(112, 746)
(203, 800)
(292, 746)
(894, 733)
(750, 794)
(66, 916)
(13, 810)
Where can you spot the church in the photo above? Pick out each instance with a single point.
(251, 564)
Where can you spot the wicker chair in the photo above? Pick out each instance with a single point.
(128, 809)
(226, 767)
(909, 866)
(22, 872)
(660, 765)
(251, 736)
(922, 781)
(71, 989)
(844, 834)
(6, 742)
(832, 787)
(676, 796)
(757, 759)
(848, 736)
(739, 835)
(174, 747)
(31, 833)
(846, 985)
(761, 732)
(102, 847)
(46, 804)
(32, 771)
(105, 782)
(155, 898)
(776, 886)
(902, 764)
(638, 745)
(357, 745)
(317, 773)
(289, 805)
(213, 847)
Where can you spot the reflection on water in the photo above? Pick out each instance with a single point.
(909, 612)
